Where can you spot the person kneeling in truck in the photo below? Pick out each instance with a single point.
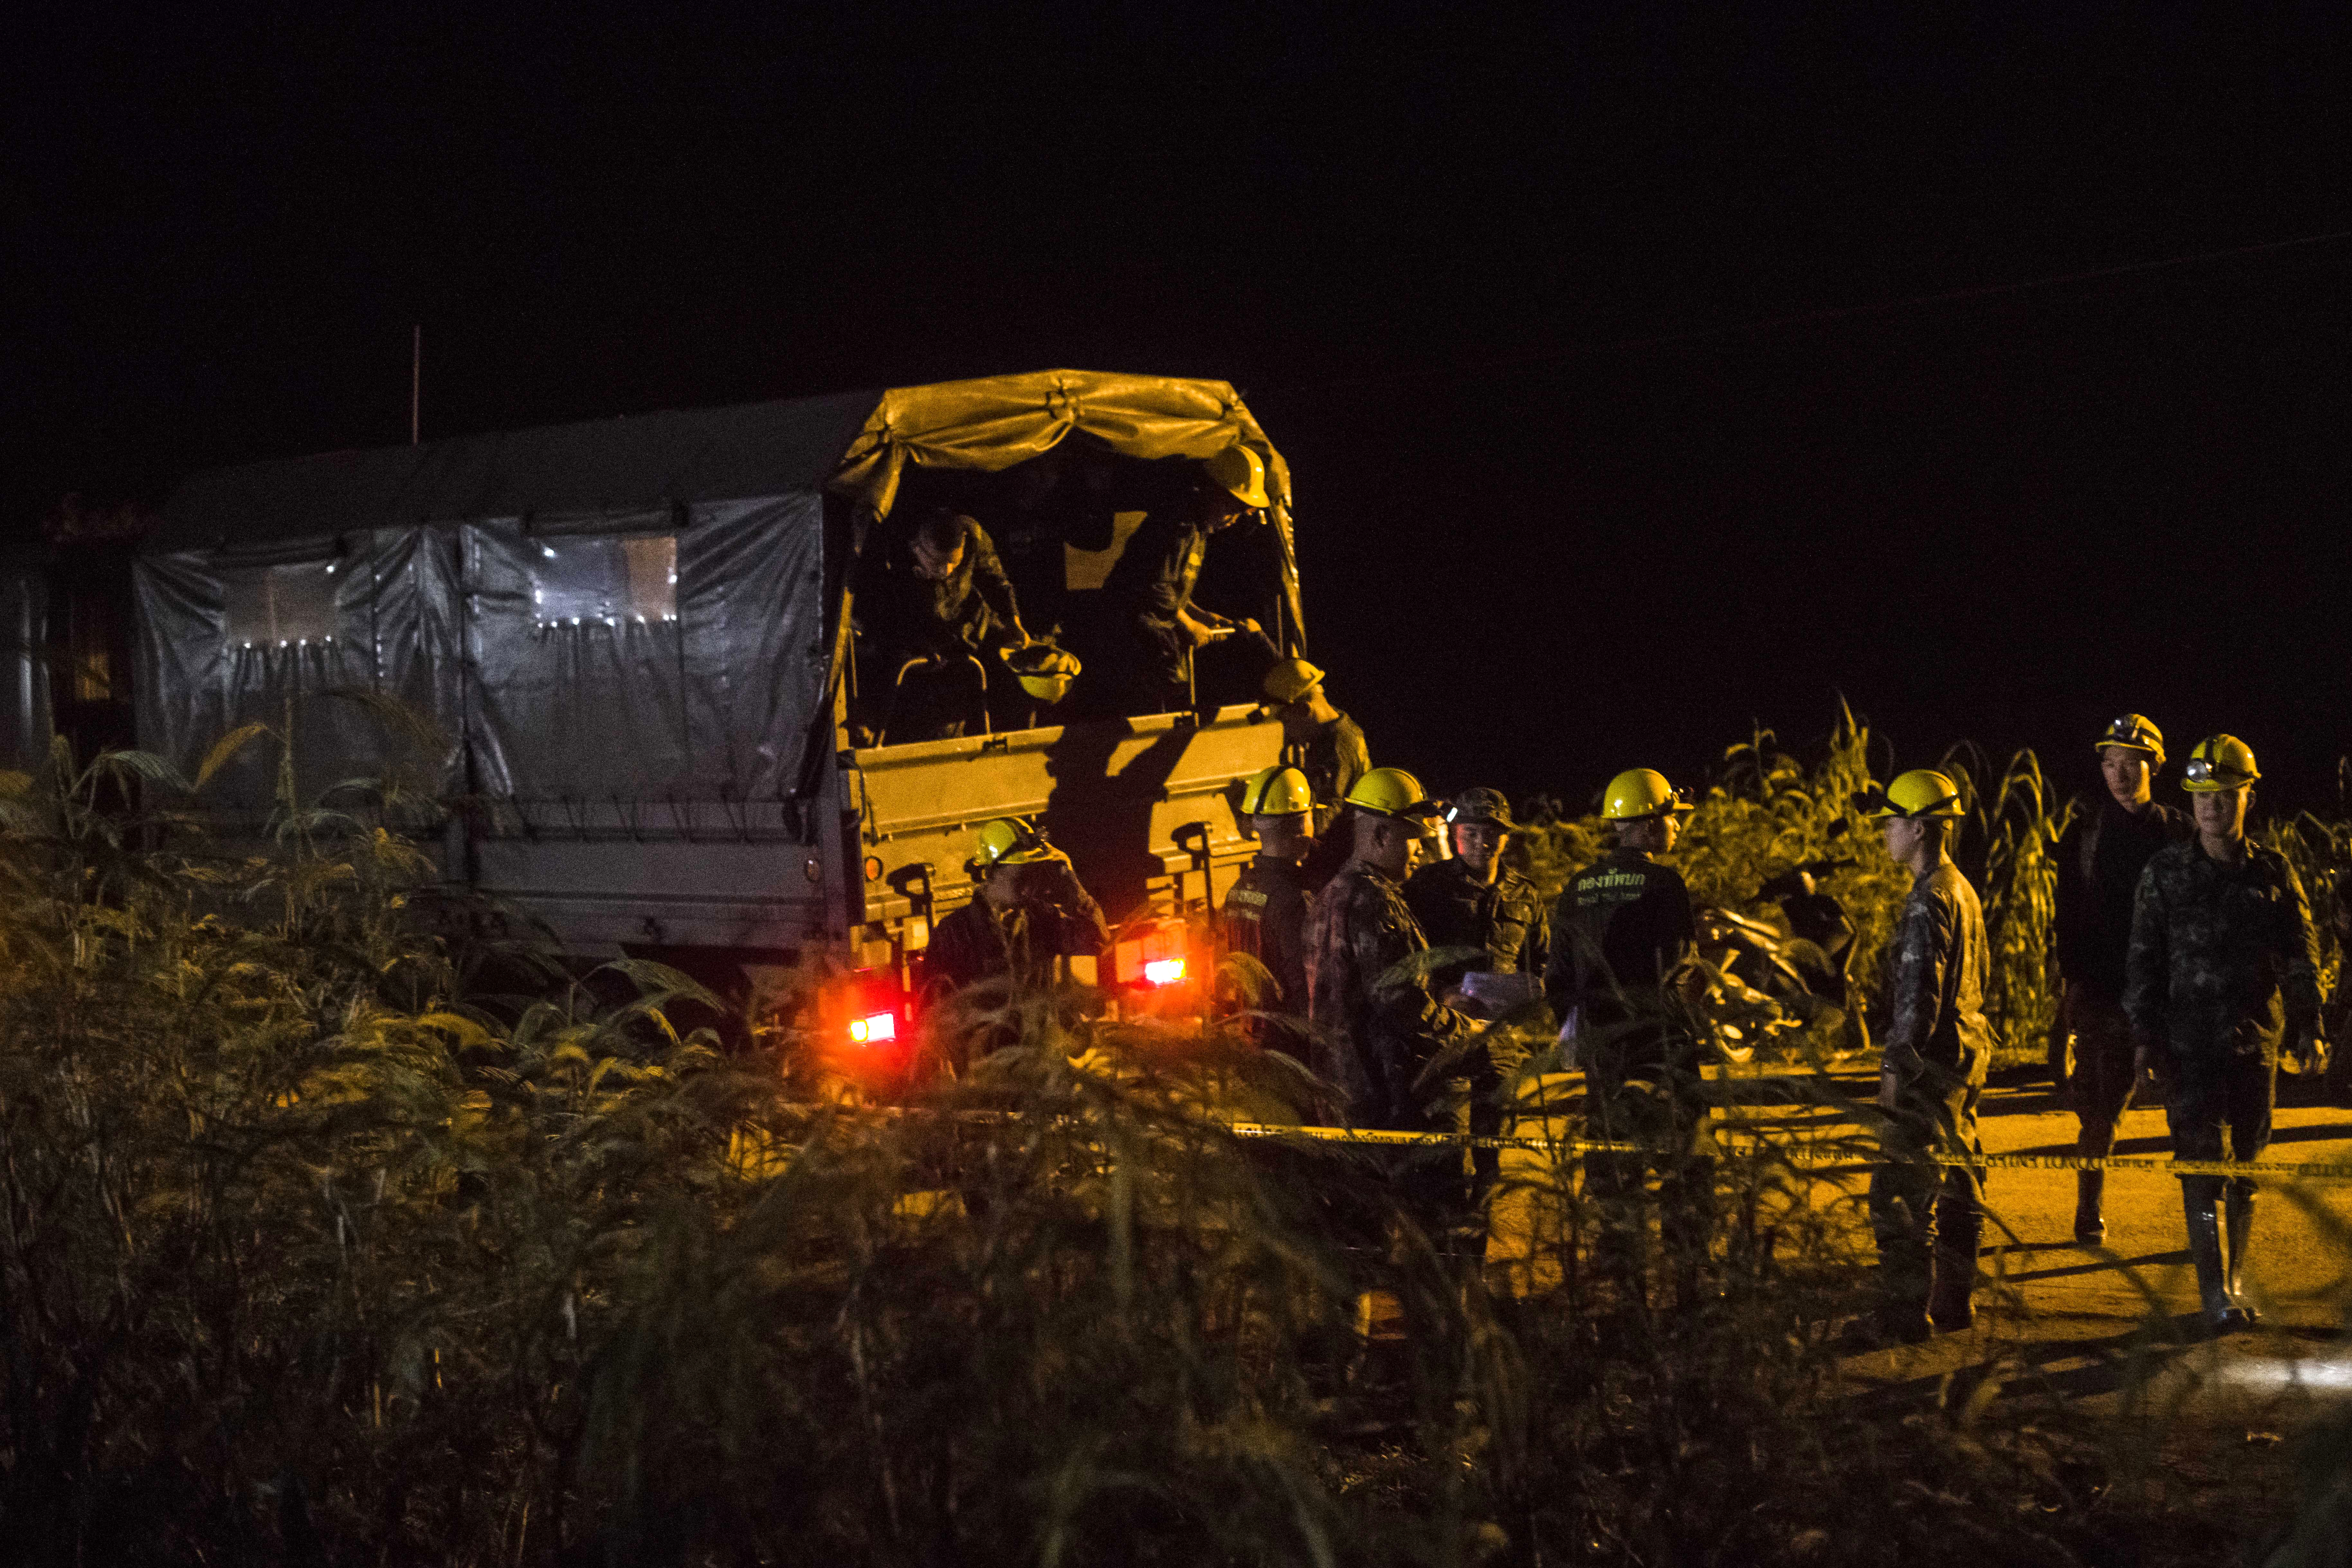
(1029, 911)
(929, 602)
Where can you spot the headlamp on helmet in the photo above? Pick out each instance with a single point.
(2136, 731)
(2219, 762)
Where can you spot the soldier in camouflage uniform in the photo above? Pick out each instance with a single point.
(2224, 967)
(1936, 1051)
(1619, 980)
(1473, 900)
(1265, 909)
(2099, 863)
(1375, 1032)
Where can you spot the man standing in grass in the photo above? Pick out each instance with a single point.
(1618, 977)
(2223, 967)
(2099, 863)
(1937, 1052)
(1474, 901)
(1377, 1025)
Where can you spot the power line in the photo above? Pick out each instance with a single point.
(1831, 313)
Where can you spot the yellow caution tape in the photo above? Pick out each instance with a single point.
(1854, 1158)
(1851, 1159)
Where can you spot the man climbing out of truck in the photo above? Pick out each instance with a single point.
(1316, 738)
(1149, 590)
(1029, 911)
(934, 598)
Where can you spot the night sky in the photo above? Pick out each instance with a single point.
(1540, 304)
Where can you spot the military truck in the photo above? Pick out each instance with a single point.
(636, 641)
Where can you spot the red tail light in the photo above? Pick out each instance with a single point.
(1164, 971)
(875, 1028)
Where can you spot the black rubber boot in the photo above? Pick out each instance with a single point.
(2090, 1224)
(1901, 1314)
(2214, 1306)
(2239, 1211)
(1951, 1304)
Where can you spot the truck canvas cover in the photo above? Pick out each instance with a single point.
(625, 637)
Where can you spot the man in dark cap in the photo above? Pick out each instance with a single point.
(928, 604)
(1474, 901)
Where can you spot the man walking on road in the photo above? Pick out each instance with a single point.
(1618, 978)
(1938, 1049)
(2099, 864)
(1473, 900)
(2223, 967)
(1376, 1030)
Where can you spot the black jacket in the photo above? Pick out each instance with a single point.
(977, 943)
(1266, 916)
(2099, 863)
(1622, 925)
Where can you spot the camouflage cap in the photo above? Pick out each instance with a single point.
(1481, 805)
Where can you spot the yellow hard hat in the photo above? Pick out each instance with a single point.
(2219, 762)
(1044, 670)
(1638, 792)
(1009, 841)
(1290, 680)
(2136, 731)
(1921, 794)
(1394, 793)
(1242, 472)
(1277, 792)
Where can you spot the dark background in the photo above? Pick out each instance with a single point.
(1549, 310)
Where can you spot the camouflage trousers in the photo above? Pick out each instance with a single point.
(2220, 1109)
(1924, 1216)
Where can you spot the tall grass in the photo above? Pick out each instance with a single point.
(329, 1235)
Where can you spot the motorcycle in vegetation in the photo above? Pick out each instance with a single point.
(1769, 988)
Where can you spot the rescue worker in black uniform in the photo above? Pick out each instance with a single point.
(1473, 900)
(1029, 911)
(1265, 909)
(1618, 978)
(2223, 969)
(1375, 1031)
(2099, 864)
(1150, 589)
(1936, 1051)
(939, 595)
